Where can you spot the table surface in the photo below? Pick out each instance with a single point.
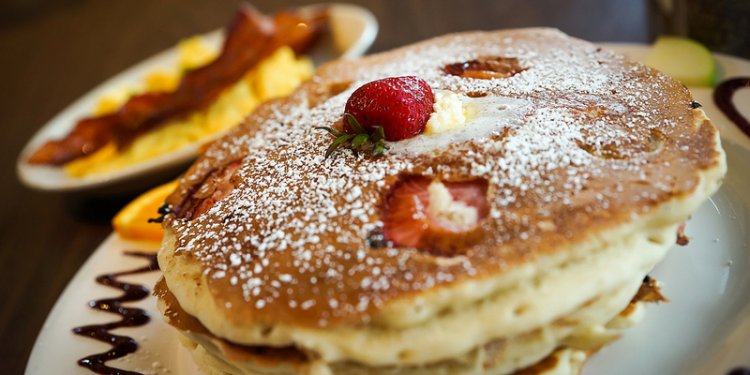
(54, 51)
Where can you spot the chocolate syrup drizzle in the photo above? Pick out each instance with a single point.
(131, 317)
(723, 98)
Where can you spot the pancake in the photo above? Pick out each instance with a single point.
(219, 356)
(590, 162)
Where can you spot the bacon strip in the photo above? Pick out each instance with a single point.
(250, 38)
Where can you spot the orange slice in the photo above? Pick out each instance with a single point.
(132, 221)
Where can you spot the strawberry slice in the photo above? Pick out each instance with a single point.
(213, 189)
(439, 217)
(486, 68)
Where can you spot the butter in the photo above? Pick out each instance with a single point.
(449, 113)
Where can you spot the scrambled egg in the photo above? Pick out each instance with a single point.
(276, 76)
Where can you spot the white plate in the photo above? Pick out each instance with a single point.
(704, 330)
(353, 29)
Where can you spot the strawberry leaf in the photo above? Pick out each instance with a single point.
(337, 143)
(379, 148)
(330, 130)
(354, 124)
(360, 138)
(378, 134)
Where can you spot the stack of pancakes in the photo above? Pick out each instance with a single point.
(274, 259)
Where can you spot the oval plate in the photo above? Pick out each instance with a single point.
(352, 31)
(704, 330)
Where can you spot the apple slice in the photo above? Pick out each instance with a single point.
(684, 59)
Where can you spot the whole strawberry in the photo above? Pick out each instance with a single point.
(401, 105)
(389, 109)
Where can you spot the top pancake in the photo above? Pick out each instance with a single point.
(586, 141)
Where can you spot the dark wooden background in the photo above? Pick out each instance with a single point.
(53, 51)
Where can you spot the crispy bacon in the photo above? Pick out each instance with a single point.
(250, 38)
